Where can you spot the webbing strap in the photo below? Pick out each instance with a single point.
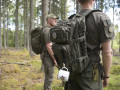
(79, 39)
(89, 12)
(82, 58)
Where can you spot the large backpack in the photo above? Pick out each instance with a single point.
(69, 37)
(36, 40)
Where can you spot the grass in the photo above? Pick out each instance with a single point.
(114, 81)
(21, 71)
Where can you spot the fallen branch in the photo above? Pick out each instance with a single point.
(19, 63)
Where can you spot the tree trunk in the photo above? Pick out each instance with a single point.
(119, 42)
(16, 25)
(21, 38)
(25, 30)
(113, 27)
(31, 24)
(77, 6)
(7, 30)
(96, 4)
(49, 6)
(44, 15)
(0, 29)
(62, 9)
(4, 5)
(65, 9)
(44, 11)
(21, 34)
(28, 32)
(74, 5)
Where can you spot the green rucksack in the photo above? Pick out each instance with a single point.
(36, 40)
(69, 37)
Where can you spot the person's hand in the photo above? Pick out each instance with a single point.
(105, 82)
(55, 63)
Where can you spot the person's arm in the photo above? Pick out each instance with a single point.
(107, 60)
(48, 46)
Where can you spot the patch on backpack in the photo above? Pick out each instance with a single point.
(54, 35)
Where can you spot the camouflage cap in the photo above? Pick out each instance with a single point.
(51, 16)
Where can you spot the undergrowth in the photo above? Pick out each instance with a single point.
(20, 71)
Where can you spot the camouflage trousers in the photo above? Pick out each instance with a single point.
(49, 71)
(84, 81)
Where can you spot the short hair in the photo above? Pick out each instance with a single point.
(83, 1)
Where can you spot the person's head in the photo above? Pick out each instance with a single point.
(51, 20)
(87, 3)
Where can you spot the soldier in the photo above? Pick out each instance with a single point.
(99, 33)
(48, 59)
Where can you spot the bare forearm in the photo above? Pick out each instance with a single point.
(51, 53)
(48, 46)
(107, 61)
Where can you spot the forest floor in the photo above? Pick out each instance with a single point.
(20, 71)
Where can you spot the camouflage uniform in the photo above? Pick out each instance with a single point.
(47, 61)
(99, 30)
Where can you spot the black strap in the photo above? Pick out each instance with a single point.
(86, 14)
(90, 12)
(71, 16)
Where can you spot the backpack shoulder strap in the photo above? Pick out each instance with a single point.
(86, 14)
(44, 28)
(71, 17)
(90, 12)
